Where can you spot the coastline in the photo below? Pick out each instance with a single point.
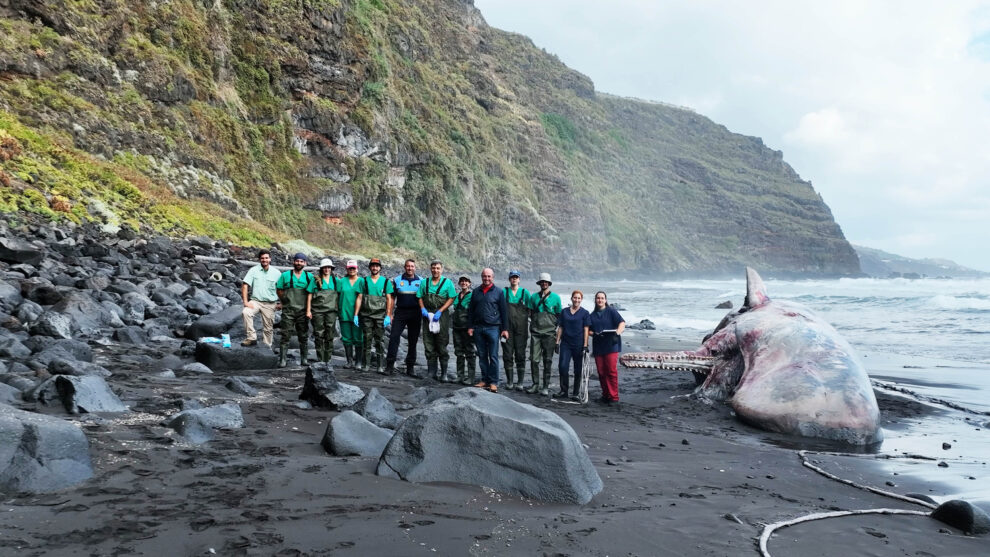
(681, 477)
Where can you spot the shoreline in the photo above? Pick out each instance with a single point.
(680, 477)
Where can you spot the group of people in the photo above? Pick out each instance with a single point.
(479, 319)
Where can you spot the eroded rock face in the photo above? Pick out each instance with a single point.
(484, 439)
(40, 453)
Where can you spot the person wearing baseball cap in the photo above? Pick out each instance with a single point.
(514, 349)
(293, 291)
(545, 307)
(350, 334)
(373, 308)
(322, 308)
(464, 349)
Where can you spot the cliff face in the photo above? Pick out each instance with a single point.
(377, 126)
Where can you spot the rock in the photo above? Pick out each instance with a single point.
(378, 410)
(192, 427)
(10, 347)
(87, 394)
(725, 305)
(40, 453)
(921, 497)
(617, 306)
(64, 366)
(963, 515)
(235, 358)
(53, 324)
(215, 324)
(28, 311)
(130, 335)
(349, 433)
(480, 438)
(40, 290)
(10, 295)
(194, 368)
(9, 394)
(239, 386)
(197, 424)
(322, 389)
(644, 325)
(70, 348)
(16, 250)
(19, 382)
(87, 315)
(946, 446)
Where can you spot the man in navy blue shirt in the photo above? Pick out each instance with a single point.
(488, 319)
(406, 315)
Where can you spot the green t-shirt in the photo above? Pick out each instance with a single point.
(348, 297)
(445, 288)
(290, 280)
(381, 288)
(552, 304)
(320, 284)
(521, 296)
(262, 283)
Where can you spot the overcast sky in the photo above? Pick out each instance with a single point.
(883, 106)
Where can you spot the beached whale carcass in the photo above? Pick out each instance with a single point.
(781, 368)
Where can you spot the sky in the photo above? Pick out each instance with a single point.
(883, 105)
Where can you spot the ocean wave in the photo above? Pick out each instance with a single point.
(942, 301)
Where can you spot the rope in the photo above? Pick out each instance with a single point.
(771, 528)
(804, 460)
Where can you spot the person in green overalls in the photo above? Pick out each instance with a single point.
(436, 294)
(545, 307)
(463, 343)
(514, 349)
(293, 291)
(350, 333)
(372, 309)
(322, 308)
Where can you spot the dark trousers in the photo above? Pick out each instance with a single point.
(486, 341)
(409, 319)
(567, 355)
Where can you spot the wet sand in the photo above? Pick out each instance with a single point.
(681, 478)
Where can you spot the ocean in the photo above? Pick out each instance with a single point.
(927, 338)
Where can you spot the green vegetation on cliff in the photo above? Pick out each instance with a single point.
(379, 127)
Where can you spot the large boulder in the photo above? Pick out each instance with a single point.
(349, 433)
(963, 515)
(215, 324)
(480, 438)
(196, 425)
(10, 295)
(16, 250)
(89, 393)
(53, 324)
(378, 410)
(88, 316)
(40, 453)
(235, 358)
(322, 389)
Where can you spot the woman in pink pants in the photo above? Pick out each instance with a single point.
(607, 326)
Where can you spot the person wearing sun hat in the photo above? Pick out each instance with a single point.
(293, 291)
(322, 308)
(545, 307)
(350, 334)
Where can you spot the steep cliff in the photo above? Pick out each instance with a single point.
(379, 127)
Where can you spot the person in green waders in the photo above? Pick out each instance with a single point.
(545, 307)
(463, 343)
(292, 288)
(350, 333)
(372, 309)
(322, 309)
(436, 295)
(514, 349)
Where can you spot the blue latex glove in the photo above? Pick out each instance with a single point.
(356, 321)
(436, 316)
(424, 312)
(388, 321)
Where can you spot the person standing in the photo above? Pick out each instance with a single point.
(514, 351)
(350, 333)
(436, 295)
(259, 283)
(545, 307)
(606, 346)
(405, 315)
(464, 349)
(572, 342)
(322, 308)
(488, 319)
(372, 310)
(293, 291)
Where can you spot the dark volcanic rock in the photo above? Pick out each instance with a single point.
(53, 324)
(235, 358)
(9, 394)
(322, 388)
(197, 424)
(240, 386)
(40, 453)
(87, 394)
(194, 368)
(349, 433)
(10, 347)
(378, 410)
(193, 427)
(88, 316)
(725, 305)
(644, 325)
(130, 335)
(10, 295)
(16, 250)
(480, 438)
(215, 324)
(64, 366)
(963, 515)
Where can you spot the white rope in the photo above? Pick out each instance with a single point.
(771, 528)
(804, 460)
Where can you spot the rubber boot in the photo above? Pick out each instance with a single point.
(282, 356)
(390, 368)
(472, 370)
(379, 364)
(443, 371)
(411, 370)
(319, 354)
(349, 355)
(535, 388)
(304, 355)
(431, 368)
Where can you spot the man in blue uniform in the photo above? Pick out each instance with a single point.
(406, 316)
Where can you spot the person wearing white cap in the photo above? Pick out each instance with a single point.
(350, 334)
(322, 308)
(545, 307)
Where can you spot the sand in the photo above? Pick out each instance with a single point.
(681, 478)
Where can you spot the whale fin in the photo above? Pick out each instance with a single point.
(756, 291)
